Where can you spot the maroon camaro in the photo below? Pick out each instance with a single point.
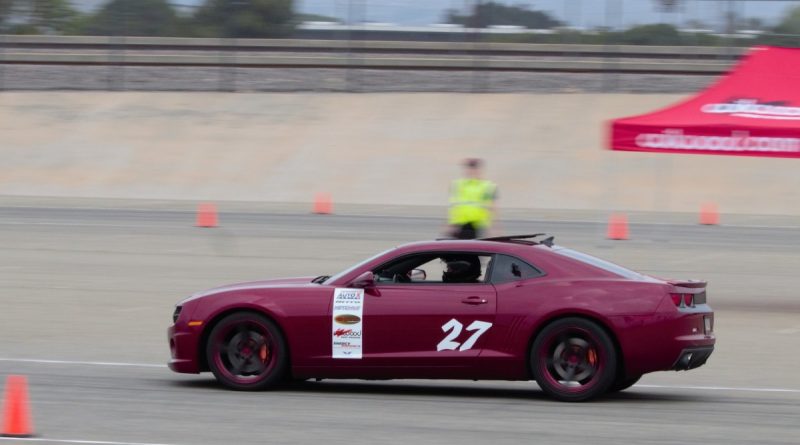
(506, 308)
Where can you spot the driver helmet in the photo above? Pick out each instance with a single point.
(462, 269)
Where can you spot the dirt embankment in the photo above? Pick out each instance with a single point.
(544, 150)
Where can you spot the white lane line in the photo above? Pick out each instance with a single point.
(721, 388)
(67, 224)
(133, 309)
(94, 442)
(153, 365)
(72, 362)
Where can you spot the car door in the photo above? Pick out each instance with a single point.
(427, 327)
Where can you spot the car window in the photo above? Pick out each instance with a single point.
(600, 263)
(438, 267)
(339, 275)
(507, 268)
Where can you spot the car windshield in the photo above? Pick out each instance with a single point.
(601, 264)
(339, 275)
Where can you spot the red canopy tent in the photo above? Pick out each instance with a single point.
(753, 111)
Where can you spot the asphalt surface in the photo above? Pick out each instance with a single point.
(86, 296)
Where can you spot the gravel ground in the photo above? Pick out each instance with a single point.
(51, 77)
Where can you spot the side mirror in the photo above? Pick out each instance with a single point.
(417, 275)
(363, 281)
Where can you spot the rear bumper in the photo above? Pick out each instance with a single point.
(183, 351)
(692, 358)
(664, 342)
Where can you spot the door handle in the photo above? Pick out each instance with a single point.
(474, 300)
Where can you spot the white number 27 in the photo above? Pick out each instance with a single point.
(455, 327)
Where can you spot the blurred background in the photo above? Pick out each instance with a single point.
(459, 36)
(550, 74)
(711, 22)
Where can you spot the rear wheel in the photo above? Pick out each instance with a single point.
(246, 351)
(573, 360)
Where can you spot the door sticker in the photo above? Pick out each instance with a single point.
(348, 312)
(455, 327)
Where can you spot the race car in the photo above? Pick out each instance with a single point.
(503, 308)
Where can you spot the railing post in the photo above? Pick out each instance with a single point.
(356, 12)
(116, 63)
(478, 77)
(227, 65)
(2, 62)
(610, 80)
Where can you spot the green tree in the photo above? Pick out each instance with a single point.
(304, 17)
(134, 18)
(753, 23)
(6, 9)
(787, 33)
(491, 13)
(660, 34)
(668, 5)
(246, 18)
(56, 15)
(36, 16)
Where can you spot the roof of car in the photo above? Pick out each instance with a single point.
(504, 243)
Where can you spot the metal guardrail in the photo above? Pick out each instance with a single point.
(393, 63)
(394, 55)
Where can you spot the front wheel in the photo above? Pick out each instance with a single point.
(573, 360)
(246, 351)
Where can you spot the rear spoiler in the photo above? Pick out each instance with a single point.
(688, 286)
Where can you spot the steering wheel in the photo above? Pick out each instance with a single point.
(401, 278)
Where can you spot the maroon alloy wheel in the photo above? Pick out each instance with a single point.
(246, 351)
(573, 359)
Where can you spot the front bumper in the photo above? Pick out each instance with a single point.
(183, 351)
(692, 358)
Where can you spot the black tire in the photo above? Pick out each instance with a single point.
(247, 351)
(573, 359)
(621, 384)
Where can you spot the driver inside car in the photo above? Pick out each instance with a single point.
(462, 269)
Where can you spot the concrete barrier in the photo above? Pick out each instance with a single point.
(544, 151)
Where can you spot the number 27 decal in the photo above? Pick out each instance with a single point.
(455, 327)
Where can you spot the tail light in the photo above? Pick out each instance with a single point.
(682, 300)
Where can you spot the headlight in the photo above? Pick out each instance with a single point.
(176, 313)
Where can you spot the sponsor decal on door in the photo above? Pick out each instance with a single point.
(348, 310)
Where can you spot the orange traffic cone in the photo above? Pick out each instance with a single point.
(207, 215)
(709, 214)
(17, 413)
(323, 204)
(618, 226)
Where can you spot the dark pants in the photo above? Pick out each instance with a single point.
(466, 231)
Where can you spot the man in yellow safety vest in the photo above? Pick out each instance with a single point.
(472, 202)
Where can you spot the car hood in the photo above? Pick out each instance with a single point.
(251, 285)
